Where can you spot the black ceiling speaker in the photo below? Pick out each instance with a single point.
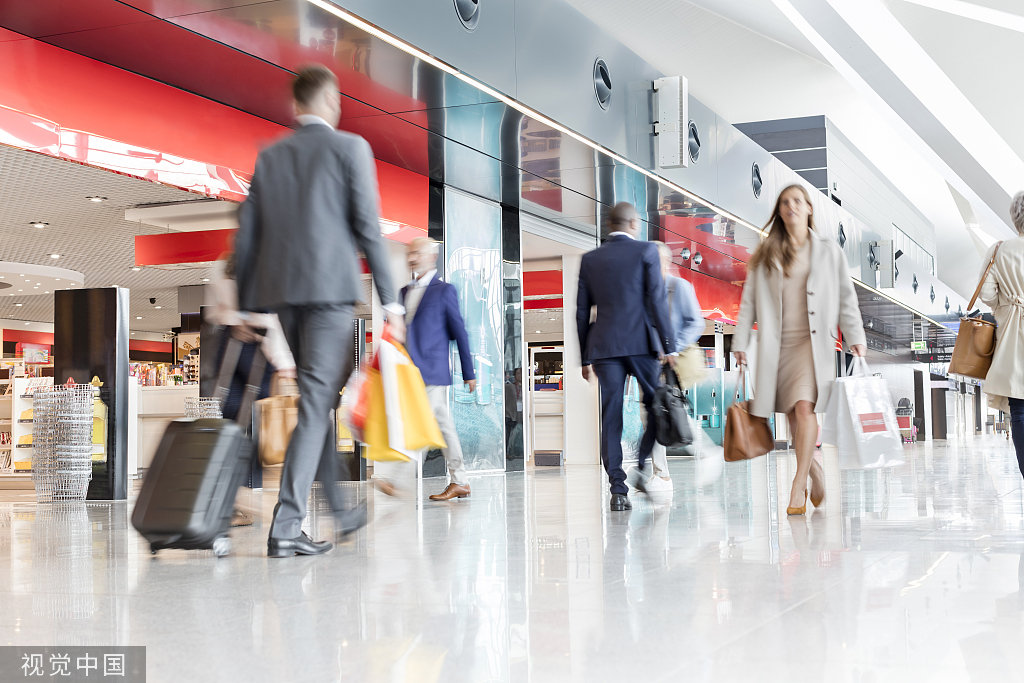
(693, 141)
(755, 180)
(931, 294)
(947, 304)
(914, 284)
(469, 12)
(842, 236)
(602, 83)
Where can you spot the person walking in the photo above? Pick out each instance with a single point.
(433, 322)
(1003, 291)
(799, 293)
(622, 280)
(688, 322)
(312, 207)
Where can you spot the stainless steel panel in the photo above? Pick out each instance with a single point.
(737, 155)
(556, 48)
(701, 176)
(433, 26)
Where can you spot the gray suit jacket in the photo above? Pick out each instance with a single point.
(311, 208)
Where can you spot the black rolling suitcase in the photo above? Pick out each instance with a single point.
(188, 495)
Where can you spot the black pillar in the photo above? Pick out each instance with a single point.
(90, 343)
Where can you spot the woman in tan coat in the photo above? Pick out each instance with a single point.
(799, 293)
(1003, 290)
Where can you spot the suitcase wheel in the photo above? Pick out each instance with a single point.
(221, 546)
(154, 548)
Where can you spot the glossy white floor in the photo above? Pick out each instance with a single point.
(914, 574)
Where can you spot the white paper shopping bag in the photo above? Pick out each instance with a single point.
(861, 423)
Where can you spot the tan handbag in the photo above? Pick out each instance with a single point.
(746, 436)
(278, 416)
(976, 340)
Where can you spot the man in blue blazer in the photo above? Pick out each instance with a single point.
(433, 321)
(632, 331)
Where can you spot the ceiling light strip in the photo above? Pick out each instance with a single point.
(969, 10)
(518, 106)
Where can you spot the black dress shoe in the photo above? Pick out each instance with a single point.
(300, 545)
(347, 521)
(620, 502)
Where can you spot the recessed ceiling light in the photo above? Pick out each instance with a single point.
(138, 317)
(552, 318)
(46, 292)
(36, 287)
(27, 324)
(21, 290)
(39, 224)
(19, 304)
(158, 307)
(538, 332)
(136, 269)
(97, 199)
(54, 255)
(206, 279)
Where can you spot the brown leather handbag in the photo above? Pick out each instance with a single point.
(976, 339)
(746, 436)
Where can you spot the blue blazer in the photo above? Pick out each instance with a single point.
(623, 279)
(428, 337)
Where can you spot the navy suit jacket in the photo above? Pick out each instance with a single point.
(428, 337)
(622, 278)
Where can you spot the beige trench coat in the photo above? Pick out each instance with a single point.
(831, 304)
(1003, 290)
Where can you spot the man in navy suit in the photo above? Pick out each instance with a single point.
(632, 331)
(433, 321)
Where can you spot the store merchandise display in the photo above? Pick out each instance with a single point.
(62, 462)
(23, 412)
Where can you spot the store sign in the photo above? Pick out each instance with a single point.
(918, 346)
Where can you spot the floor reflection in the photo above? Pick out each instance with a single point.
(915, 573)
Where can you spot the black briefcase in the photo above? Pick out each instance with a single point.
(671, 421)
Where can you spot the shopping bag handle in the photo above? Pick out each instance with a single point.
(859, 364)
(741, 384)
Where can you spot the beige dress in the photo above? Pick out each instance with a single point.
(796, 381)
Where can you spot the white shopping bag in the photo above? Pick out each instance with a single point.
(861, 423)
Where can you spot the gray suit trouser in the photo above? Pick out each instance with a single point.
(320, 337)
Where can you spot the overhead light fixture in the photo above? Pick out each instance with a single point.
(539, 332)
(518, 106)
(54, 255)
(96, 199)
(697, 259)
(206, 279)
(970, 10)
(158, 307)
(685, 254)
(19, 304)
(138, 317)
(39, 224)
(136, 269)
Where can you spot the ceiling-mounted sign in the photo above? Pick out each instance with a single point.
(918, 346)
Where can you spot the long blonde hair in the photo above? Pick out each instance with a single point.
(777, 249)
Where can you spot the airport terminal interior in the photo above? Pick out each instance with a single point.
(506, 136)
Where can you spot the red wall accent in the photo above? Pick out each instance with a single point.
(182, 247)
(538, 304)
(151, 346)
(542, 283)
(28, 337)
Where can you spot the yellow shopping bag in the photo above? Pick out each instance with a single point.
(397, 422)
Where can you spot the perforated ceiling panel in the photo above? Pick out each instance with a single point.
(92, 238)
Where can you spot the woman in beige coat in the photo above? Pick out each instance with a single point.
(1003, 290)
(799, 293)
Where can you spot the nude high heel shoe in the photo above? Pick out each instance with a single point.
(817, 484)
(800, 510)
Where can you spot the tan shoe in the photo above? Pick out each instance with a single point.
(817, 484)
(453, 491)
(385, 487)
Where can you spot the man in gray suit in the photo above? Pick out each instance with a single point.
(311, 208)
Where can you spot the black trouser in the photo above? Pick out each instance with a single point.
(1017, 429)
(611, 375)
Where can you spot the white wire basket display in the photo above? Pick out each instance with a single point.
(203, 406)
(62, 457)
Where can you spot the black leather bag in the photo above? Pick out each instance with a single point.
(671, 422)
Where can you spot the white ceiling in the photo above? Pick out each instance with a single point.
(759, 60)
(91, 238)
